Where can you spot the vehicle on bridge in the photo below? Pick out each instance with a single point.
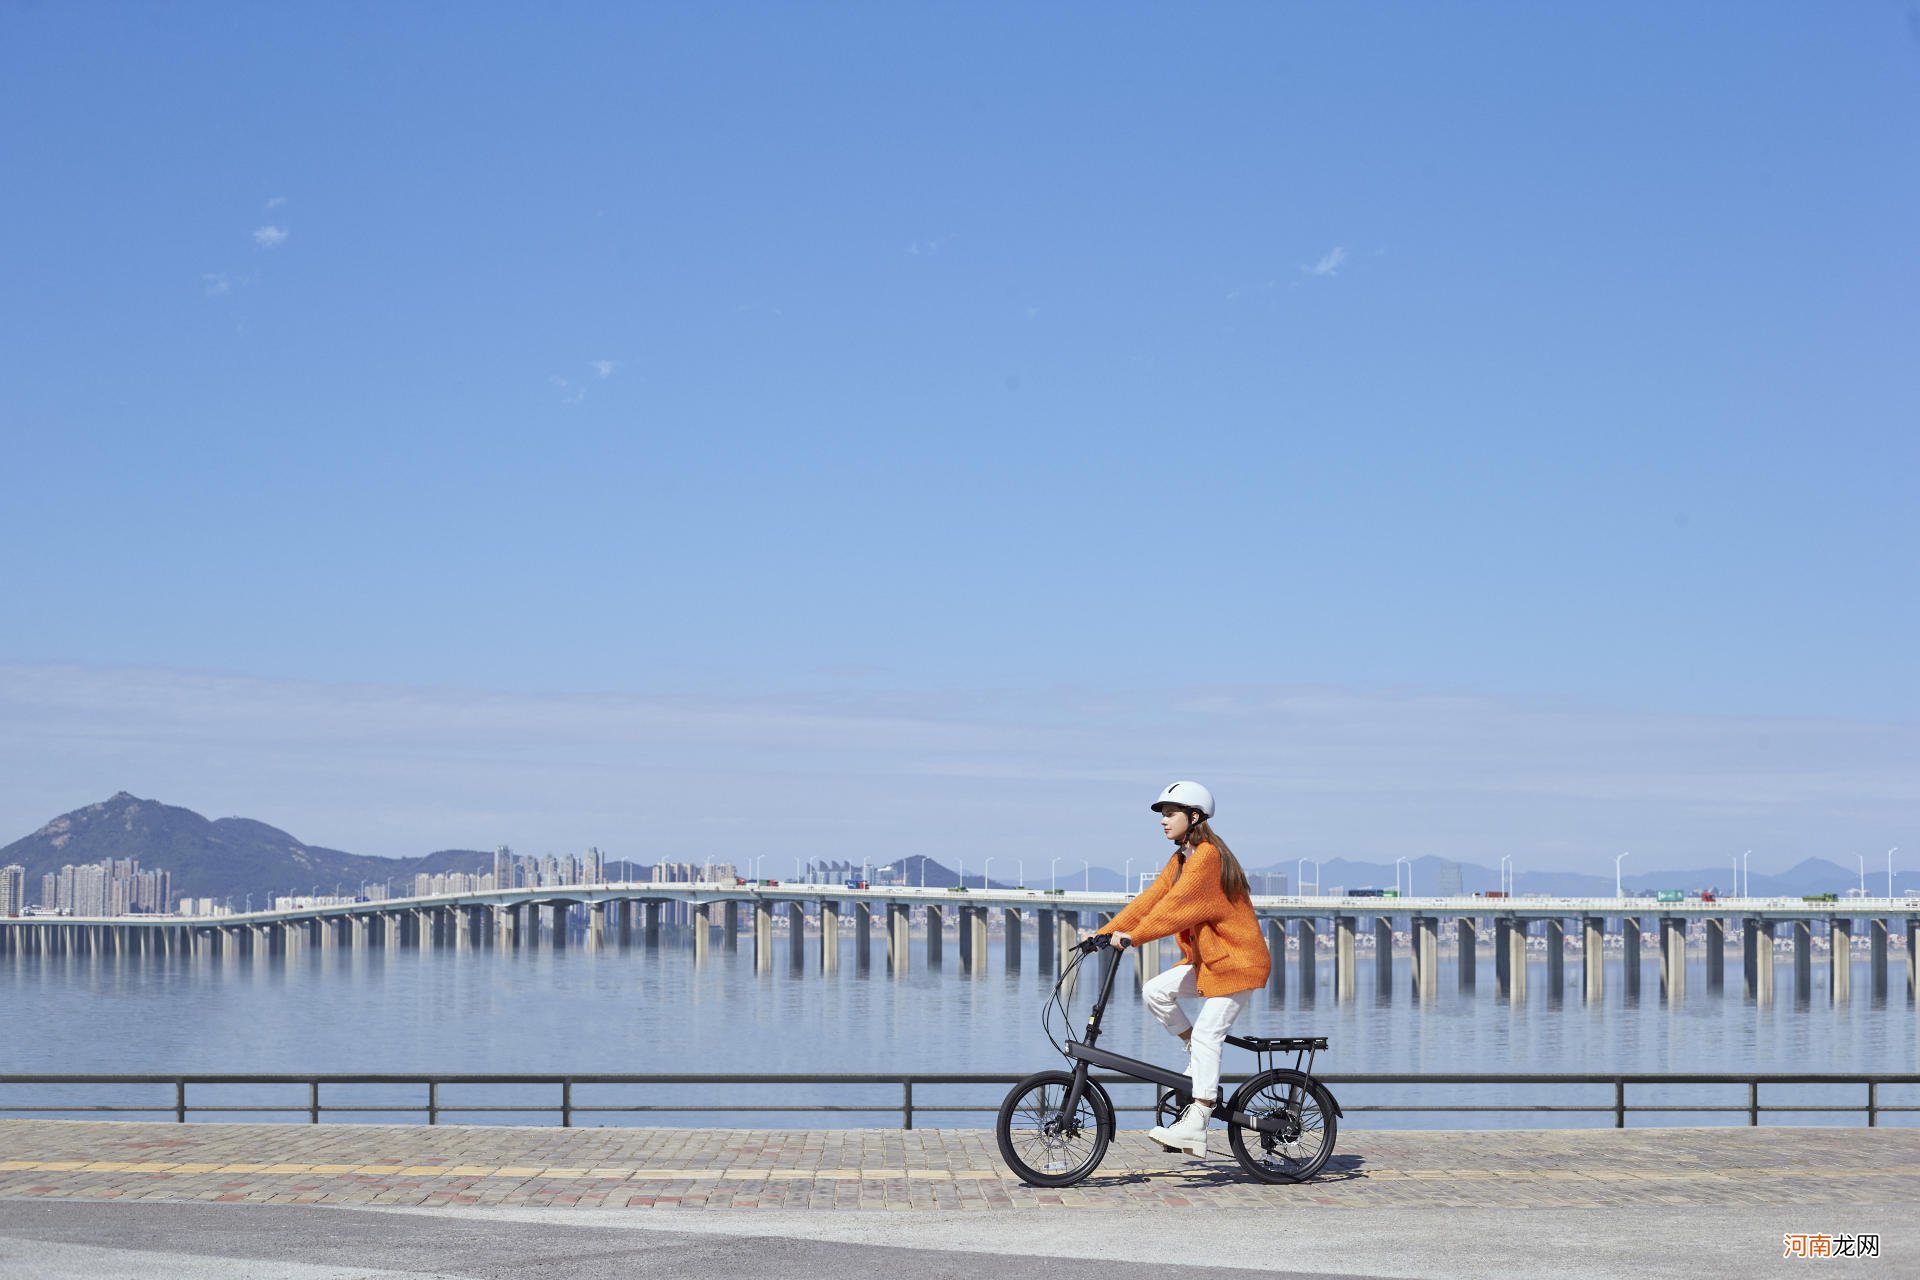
(1820, 897)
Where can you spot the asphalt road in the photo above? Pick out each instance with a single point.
(49, 1240)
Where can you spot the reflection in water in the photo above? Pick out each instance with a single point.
(654, 1011)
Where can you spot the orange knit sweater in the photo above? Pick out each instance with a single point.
(1220, 938)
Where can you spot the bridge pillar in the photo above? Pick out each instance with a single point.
(1630, 954)
(1383, 955)
(899, 939)
(1673, 958)
(596, 926)
(1803, 959)
(829, 935)
(505, 917)
(1556, 931)
(1509, 944)
(1763, 960)
(1044, 948)
(797, 936)
(863, 911)
(1913, 957)
(1306, 932)
(1593, 959)
(359, 931)
(1277, 952)
(1716, 953)
(1467, 944)
(730, 926)
(977, 930)
(1840, 960)
(1010, 921)
(1343, 960)
(1426, 972)
(936, 931)
(762, 936)
(702, 931)
(1877, 958)
(1146, 961)
(1066, 934)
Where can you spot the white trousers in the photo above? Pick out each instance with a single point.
(1163, 995)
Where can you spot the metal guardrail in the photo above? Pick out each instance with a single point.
(435, 1106)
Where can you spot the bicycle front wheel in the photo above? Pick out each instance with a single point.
(1306, 1121)
(1041, 1143)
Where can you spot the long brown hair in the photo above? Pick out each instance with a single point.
(1233, 879)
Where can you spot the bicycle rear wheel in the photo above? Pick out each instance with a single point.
(1041, 1143)
(1307, 1120)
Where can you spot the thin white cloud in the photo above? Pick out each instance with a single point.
(604, 368)
(570, 391)
(1329, 263)
(275, 203)
(215, 283)
(1299, 770)
(269, 237)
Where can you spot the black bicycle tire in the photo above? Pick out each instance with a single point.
(1095, 1099)
(1238, 1137)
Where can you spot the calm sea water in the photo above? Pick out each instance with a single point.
(636, 1010)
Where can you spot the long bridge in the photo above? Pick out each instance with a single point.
(616, 915)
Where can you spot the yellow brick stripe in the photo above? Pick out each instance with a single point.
(749, 1174)
(498, 1171)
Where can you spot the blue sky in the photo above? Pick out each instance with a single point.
(989, 363)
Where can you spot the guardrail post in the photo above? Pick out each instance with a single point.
(1619, 1104)
(1873, 1103)
(313, 1102)
(1753, 1103)
(566, 1104)
(906, 1102)
(433, 1102)
(180, 1101)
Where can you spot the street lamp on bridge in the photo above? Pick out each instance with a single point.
(1053, 874)
(1086, 885)
(1617, 892)
(1396, 875)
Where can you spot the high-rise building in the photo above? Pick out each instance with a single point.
(1446, 880)
(13, 889)
(503, 867)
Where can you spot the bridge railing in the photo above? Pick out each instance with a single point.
(562, 1101)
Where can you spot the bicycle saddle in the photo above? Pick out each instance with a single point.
(1277, 1044)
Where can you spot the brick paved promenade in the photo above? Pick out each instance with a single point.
(934, 1169)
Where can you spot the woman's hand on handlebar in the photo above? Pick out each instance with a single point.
(1090, 941)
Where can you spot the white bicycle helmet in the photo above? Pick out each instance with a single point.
(1186, 795)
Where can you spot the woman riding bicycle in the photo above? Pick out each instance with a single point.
(1201, 898)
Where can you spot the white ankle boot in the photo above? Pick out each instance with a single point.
(1188, 1133)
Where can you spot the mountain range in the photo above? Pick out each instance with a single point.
(239, 856)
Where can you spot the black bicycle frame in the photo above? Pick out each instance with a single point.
(1086, 1056)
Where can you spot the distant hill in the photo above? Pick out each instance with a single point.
(226, 856)
(240, 856)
